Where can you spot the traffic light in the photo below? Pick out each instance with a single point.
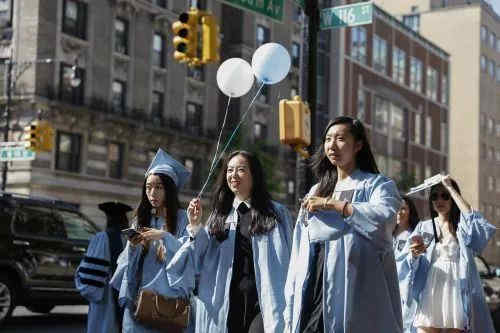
(46, 134)
(186, 37)
(211, 41)
(32, 137)
(295, 124)
(39, 136)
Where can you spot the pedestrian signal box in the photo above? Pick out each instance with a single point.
(39, 136)
(295, 124)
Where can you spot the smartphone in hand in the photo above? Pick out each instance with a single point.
(130, 232)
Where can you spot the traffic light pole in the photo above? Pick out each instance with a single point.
(7, 119)
(304, 173)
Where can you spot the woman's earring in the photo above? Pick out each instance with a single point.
(153, 211)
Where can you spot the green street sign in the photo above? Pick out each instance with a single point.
(300, 3)
(346, 16)
(16, 154)
(270, 8)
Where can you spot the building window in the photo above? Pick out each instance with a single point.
(115, 158)
(444, 89)
(361, 105)
(482, 120)
(412, 21)
(428, 131)
(263, 35)
(492, 68)
(194, 118)
(75, 18)
(158, 50)
(444, 137)
(259, 131)
(428, 171)
(491, 182)
(5, 13)
(484, 60)
(498, 129)
(291, 187)
(121, 36)
(381, 161)
(498, 191)
(484, 33)
(68, 148)
(498, 74)
(295, 54)
(71, 91)
(492, 40)
(416, 74)
(157, 105)
(200, 4)
(119, 95)
(490, 125)
(418, 128)
(398, 65)
(397, 122)
(381, 115)
(160, 3)
(358, 44)
(432, 83)
(491, 154)
(497, 156)
(196, 73)
(498, 45)
(193, 166)
(379, 54)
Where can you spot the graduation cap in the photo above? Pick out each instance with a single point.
(114, 209)
(165, 164)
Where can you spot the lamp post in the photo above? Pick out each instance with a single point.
(11, 83)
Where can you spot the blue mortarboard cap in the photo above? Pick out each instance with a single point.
(165, 164)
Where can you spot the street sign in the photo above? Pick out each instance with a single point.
(270, 8)
(13, 153)
(300, 3)
(343, 16)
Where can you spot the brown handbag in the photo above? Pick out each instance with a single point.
(168, 314)
(164, 313)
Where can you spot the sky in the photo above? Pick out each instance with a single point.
(496, 5)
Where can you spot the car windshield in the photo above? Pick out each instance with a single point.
(77, 227)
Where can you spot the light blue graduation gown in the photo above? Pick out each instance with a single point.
(401, 249)
(360, 285)
(153, 275)
(91, 280)
(213, 261)
(473, 233)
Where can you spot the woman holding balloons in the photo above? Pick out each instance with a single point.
(239, 259)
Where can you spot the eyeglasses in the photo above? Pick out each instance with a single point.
(444, 195)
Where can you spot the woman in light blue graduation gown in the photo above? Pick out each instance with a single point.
(97, 268)
(342, 275)
(163, 230)
(233, 296)
(406, 221)
(472, 232)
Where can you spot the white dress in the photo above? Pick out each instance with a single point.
(441, 304)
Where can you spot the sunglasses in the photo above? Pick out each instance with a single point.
(444, 195)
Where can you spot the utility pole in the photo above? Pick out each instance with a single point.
(304, 173)
(7, 119)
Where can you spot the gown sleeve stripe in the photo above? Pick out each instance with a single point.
(96, 261)
(95, 272)
(91, 282)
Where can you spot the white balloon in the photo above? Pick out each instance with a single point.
(235, 77)
(271, 63)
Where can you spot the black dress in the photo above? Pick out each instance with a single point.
(244, 310)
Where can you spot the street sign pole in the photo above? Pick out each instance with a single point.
(304, 172)
(7, 119)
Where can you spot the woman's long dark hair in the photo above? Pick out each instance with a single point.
(454, 214)
(264, 217)
(413, 217)
(326, 172)
(143, 212)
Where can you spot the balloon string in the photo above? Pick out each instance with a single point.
(220, 135)
(229, 140)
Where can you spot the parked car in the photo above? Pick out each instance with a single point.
(42, 242)
(491, 286)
